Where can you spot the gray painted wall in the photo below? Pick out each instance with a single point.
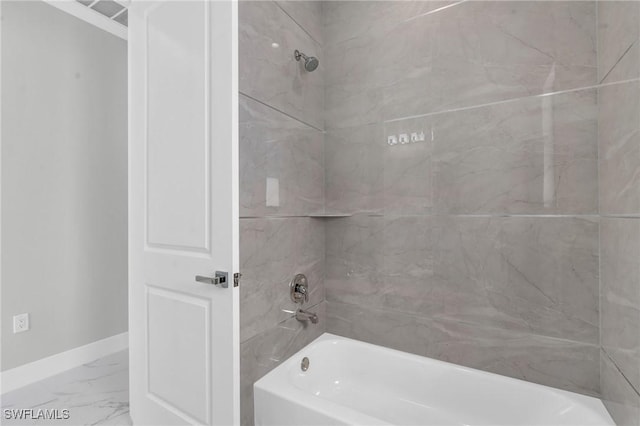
(619, 143)
(64, 182)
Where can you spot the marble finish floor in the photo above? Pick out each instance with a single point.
(96, 393)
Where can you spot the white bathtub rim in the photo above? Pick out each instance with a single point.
(325, 407)
(334, 337)
(277, 380)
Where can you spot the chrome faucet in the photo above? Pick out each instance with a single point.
(299, 292)
(302, 315)
(299, 289)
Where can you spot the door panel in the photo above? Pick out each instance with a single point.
(177, 140)
(183, 212)
(176, 321)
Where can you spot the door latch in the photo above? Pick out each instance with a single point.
(220, 279)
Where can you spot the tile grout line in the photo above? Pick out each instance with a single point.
(485, 105)
(597, 44)
(280, 111)
(447, 320)
(395, 25)
(440, 9)
(618, 61)
(297, 23)
(620, 371)
(522, 98)
(372, 214)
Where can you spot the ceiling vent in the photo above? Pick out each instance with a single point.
(114, 10)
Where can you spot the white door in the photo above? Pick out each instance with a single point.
(183, 212)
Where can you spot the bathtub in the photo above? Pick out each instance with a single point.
(354, 383)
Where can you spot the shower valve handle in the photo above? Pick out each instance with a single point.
(299, 289)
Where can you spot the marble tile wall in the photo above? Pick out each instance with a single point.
(554, 362)
(387, 61)
(269, 32)
(281, 183)
(535, 155)
(522, 274)
(478, 245)
(619, 168)
(281, 163)
(273, 251)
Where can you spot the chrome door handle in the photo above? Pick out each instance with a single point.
(220, 278)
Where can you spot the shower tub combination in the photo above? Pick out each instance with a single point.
(347, 382)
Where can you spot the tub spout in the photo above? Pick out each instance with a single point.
(302, 315)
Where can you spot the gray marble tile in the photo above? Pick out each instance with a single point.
(490, 51)
(467, 265)
(353, 256)
(469, 54)
(551, 276)
(628, 67)
(349, 106)
(622, 401)
(530, 156)
(380, 261)
(96, 393)
(620, 294)
(354, 168)
(281, 163)
(346, 20)
(267, 350)
(530, 275)
(268, 70)
(618, 30)
(272, 252)
(308, 14)
(370, 45)
(536, 275)
(361, 68)
(407, 76)
(619, 143)
(384, 49)
(407, 169)
(406, 260)
(559, 363)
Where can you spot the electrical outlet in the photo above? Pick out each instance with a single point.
(20, 323)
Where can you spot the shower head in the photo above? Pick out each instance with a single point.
(310, 62)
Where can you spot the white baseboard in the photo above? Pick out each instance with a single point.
(55, 364)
